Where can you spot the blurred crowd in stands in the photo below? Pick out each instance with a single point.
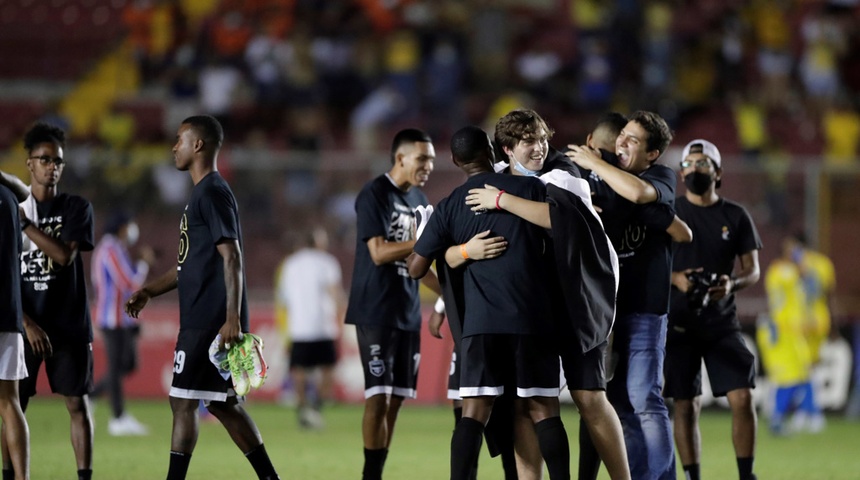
(311, 91)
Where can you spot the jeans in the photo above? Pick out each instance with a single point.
(636, 392)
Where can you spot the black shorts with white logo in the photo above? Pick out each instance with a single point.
(730, 364)
(194, 375)
(489, 362)
(390, 358)
(69, 369)
(320, 353)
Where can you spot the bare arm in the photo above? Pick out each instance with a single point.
(749, 274)
(478, 247)
(486, 199)
(382, 252)
(163, 284)
(39, 341)
(680, 231)
(18, 187)
(232, 255)
(623, 183)
(57, 250)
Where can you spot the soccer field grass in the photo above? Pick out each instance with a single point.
(420, 449)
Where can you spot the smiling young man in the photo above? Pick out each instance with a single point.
(627, 194)
(383, 300)
(56, 228)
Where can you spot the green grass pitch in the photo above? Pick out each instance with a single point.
(420, 447)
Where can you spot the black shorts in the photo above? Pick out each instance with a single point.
(454, 376)
(390, 358)
(730, 364)
(492, 361)
(585, 371)
(194, 375)
(69, 369)
(313, 354)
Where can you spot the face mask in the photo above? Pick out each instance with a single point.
(525, 171)
(698, 182)
(132, 233)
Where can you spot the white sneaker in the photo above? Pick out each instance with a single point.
(126, 425)
(311, 419)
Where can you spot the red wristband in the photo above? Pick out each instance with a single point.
(498, 197)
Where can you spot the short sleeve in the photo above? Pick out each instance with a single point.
(747, 233)
(78, 223)
(436, 237)
(371, 214)
(664, 180)
(220, 214)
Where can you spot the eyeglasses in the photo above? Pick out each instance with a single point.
(702, 163)
(44, 160)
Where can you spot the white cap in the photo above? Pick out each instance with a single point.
(705, 147)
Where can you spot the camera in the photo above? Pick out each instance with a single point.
(698, 296)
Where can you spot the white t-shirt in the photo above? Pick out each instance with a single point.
(304, 287)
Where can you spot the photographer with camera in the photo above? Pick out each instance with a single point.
(703, 322)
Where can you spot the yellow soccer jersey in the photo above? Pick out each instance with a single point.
(785, 352)
(819, 280)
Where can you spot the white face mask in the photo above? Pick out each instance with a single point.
(132, 233)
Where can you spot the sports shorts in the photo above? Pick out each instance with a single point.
(69, 369)
(390, 359)
(194, 375)
(491, 361)
(585, 371)
(313, 354)
(12, 363)
(730, 364)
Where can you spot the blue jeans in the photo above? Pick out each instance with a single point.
(636, 392)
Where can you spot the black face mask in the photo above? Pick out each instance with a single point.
(698, 182)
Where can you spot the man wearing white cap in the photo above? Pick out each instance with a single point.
(703, 322)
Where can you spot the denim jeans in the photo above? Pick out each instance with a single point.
(636, 392)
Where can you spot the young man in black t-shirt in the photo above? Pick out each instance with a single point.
(507, 322)
(56, 228)
(383, 299)
(637, 200)
(210, 278)
(704, 325)
(12, 365)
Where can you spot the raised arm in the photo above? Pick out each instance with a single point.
(491, 198)
(63, 253)
(18, 187)
(623, 183)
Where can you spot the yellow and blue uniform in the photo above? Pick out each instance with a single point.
(819, 279)
(784, 349)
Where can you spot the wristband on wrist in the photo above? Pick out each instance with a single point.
(440, 305)
(25, 222)
(498, 197)
(463, 251)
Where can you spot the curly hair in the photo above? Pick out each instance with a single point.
(659, 133)
(519, 124)
(44, 133)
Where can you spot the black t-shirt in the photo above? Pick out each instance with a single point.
(211, 216)
(53, 296)
(10, 268)
(507, 294)
(722, 232)
(384, 295)
(638, 233)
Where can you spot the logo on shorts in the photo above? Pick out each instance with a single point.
(377, 367)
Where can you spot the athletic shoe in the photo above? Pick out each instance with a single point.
(237, 362)
(311, 419)
(247, 355)
(126, 425)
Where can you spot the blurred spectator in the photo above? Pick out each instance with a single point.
(823, 44)
(772, 34)
(750, 124)
(840, 127)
